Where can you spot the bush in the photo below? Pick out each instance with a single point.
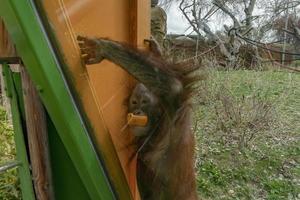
(9, 183)
(247, 130)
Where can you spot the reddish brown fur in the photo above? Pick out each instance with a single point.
(166, 163)
(166, 160)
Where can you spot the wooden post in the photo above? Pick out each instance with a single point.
(37, 139)
(284, 36)
(7, 49)
(133, 19)
(270, 55)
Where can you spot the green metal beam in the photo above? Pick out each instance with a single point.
(23, 170)
(35, 51)
(70, 186)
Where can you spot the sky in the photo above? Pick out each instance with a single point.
(176, 23)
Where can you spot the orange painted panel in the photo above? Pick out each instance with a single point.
(102, 88)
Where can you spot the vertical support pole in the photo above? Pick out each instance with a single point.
(284, 37)
(139, 17)
(6, 49)
(270, 55)
(133, 20)
(37, 139)
(23, 170)
(133, 40)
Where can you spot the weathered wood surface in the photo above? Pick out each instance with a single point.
(7, 49)
(37, 139)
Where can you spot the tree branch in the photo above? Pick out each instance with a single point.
(227, 11)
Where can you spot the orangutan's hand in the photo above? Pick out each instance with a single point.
(90, 50)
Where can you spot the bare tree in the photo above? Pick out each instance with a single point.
(272, 11)
(288, 30)
(199, 12)
(220, 21)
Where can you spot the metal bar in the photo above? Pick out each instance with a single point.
(9, 165)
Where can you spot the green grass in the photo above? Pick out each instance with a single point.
(248, 132)
(9, 184)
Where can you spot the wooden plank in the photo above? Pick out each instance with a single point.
(7, 49)
(37, 139)
(133, 22)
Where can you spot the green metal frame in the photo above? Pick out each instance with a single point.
(16, 102)
(66, 182)
(34, 49)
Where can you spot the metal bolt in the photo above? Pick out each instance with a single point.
(39, 88)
